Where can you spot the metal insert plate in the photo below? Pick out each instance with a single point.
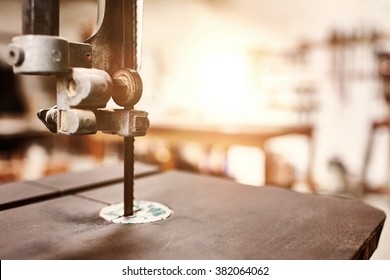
(144, 212)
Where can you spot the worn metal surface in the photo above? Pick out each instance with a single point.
(82, 93)
(80, 55)
(76, 122)
(43, 54)
(114, 44)
(38, 55)
(213, 219)
(40, 17)
(84, 87)
(125, 122)
(127, 87)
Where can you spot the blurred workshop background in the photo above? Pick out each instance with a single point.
(287, 93)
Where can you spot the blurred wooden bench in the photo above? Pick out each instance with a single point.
(249, 135)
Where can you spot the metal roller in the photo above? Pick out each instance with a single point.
(84, 87)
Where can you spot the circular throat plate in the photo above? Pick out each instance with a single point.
(144, 212)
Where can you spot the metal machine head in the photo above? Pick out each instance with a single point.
(88, 74)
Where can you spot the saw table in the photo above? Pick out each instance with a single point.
(213, 218)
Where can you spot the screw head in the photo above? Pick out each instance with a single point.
(15, 55)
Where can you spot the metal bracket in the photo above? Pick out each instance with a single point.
(88, 74)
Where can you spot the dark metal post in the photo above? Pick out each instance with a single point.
(41, 17)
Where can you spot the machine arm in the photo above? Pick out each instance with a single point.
(88, 73)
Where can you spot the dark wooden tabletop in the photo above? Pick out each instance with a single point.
(16, 194)
(213, 219)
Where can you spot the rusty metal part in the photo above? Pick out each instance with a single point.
(126, 122)
(127, 87)
(131, 59)
(49, 118)
(115, 44)
(38, 54)
(40, 17)
(80, 55)
(78, 121)
(84, 71)
(43, 54)
(84, 87)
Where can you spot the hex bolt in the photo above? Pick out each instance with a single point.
(15, 55)
(141, 123)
